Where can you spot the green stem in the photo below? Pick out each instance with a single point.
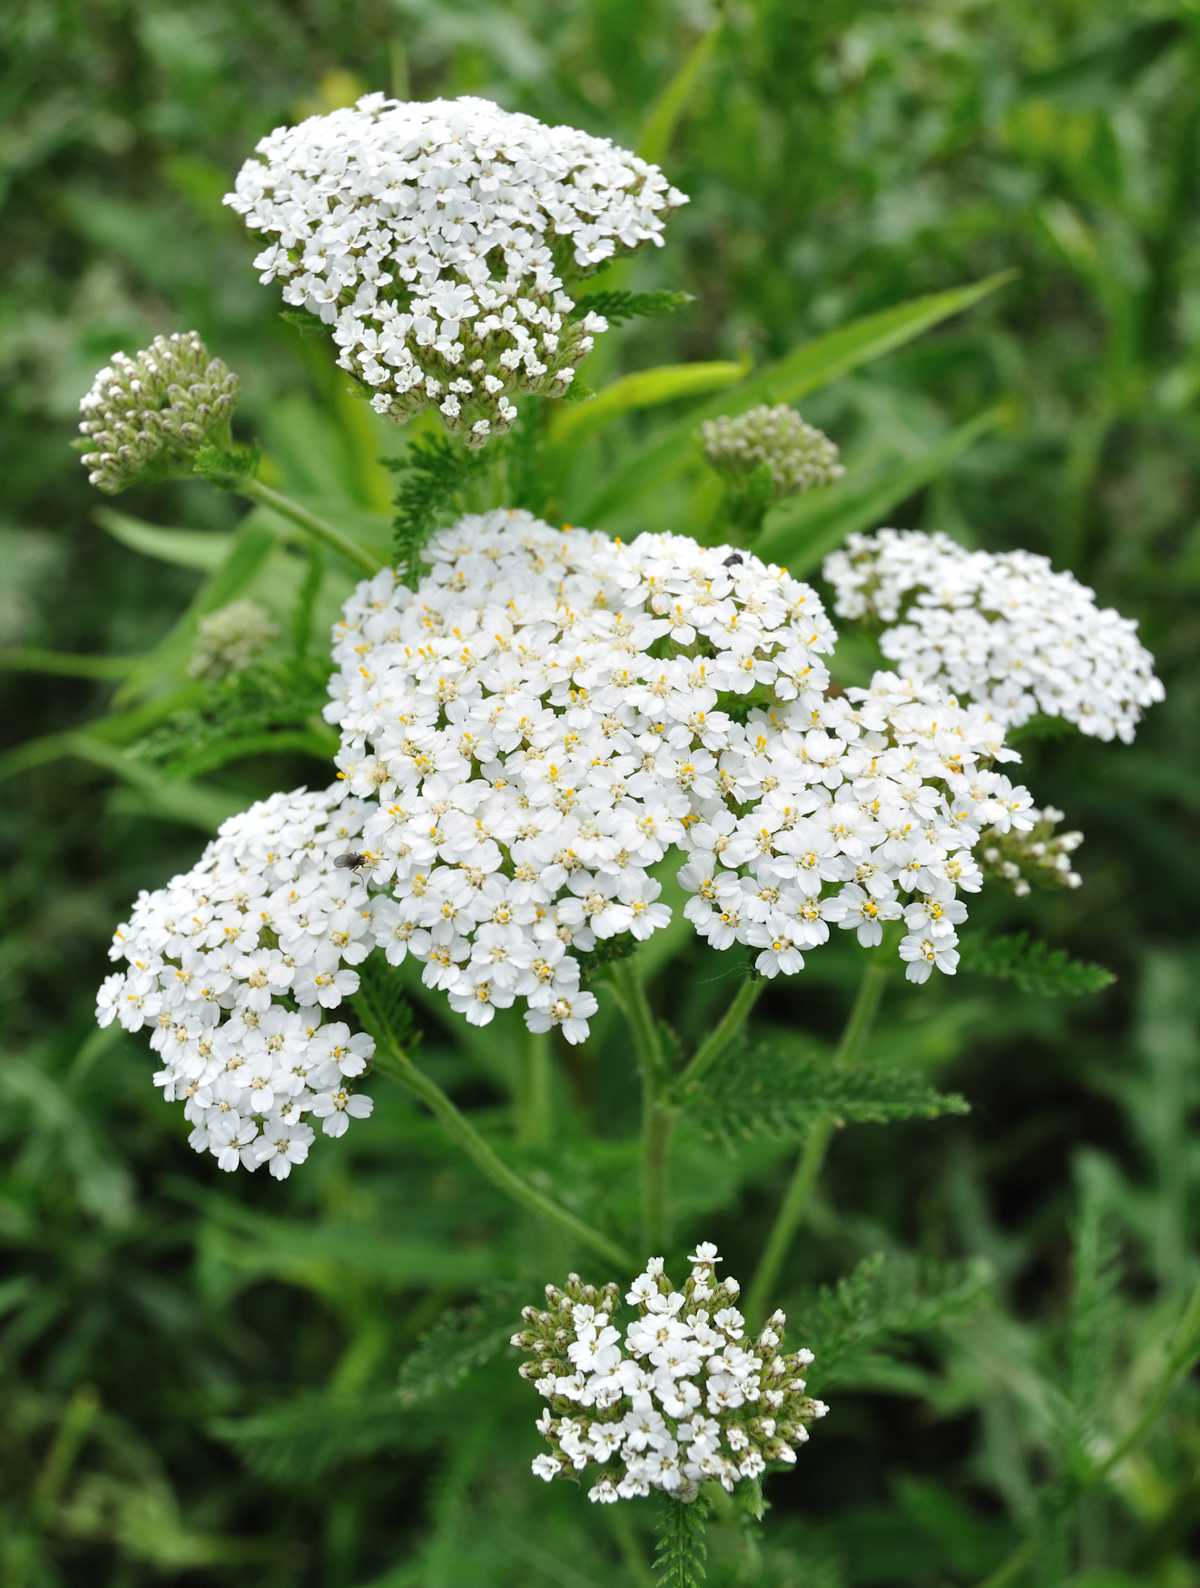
(77, 1419)
(400, 1067)
(722, 1034)
(533, 1091)
(656, 1116)
(268, 496)
(27, 659)
(812, 1157)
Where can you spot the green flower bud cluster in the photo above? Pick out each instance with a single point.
(229, 639)
(149, 417)
(775, 444)
(1039, 858)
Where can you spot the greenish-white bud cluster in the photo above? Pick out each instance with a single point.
(147, 417)
(230, 638)
(1039, 858)
(795, 456)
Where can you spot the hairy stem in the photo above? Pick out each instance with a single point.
(459, 1128)
(268, 496)
(656, 1117)
(812, 1157)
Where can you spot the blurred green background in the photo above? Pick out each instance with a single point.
(198, 1378)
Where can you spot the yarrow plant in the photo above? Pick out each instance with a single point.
(1005, 630)
(439, 243)
(541, 744)
(686, 1393)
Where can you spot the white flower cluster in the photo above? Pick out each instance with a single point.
(1005, 631)
(232, 969)
(796, 455)
(550, 712)
(434, 240)
(146, 417)
(686, 1394)
(229, 639)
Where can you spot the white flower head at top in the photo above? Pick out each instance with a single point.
(682, 1394)
(551, 713)
(1003, 630)
(439, 241)
(234, 969)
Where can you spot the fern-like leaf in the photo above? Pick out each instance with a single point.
(1086, 1387)
(879, 1302)
(461, 1341)
(679, 1560)
(1034, 966)
(240, 716)
(766, 1091)
(432, 475)
(301, 1440)
(383, 1007)
(617, 307)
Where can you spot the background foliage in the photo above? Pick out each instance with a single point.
(208, 1381)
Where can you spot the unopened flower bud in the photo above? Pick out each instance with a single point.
(774, 443)
(147, 418)
(229, 638)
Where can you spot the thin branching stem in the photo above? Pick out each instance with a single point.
(397, 1064)
(716, 1044)
(309, 522)
(812, 1156)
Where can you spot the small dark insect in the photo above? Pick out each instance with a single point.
(733, 559)
(352, 860)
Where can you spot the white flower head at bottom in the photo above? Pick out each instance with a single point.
(681, 1395)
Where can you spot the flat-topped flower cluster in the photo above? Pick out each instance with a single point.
(439, 240)
(233, 967)
(551, 712)
(1003, 630)
(684, 1394)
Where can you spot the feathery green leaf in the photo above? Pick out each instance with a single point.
(766, 1090)
(881, 1300)
(617, 306)
(383, 1007)
(302, 1439)
(459, 1342)
(432, 475)
(681, 1553)
(243, 715)
(1033, 965)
